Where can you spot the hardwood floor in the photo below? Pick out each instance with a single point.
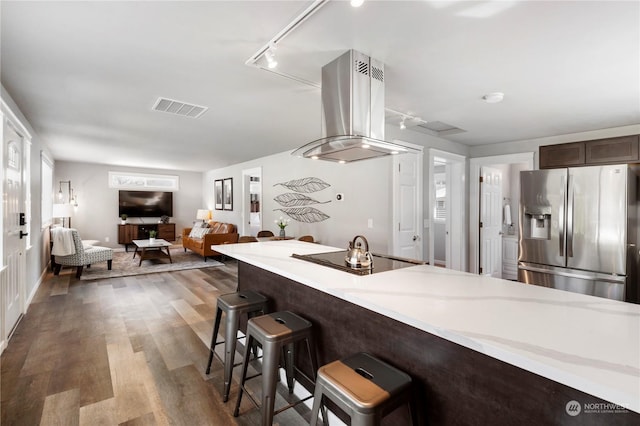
(122, 351)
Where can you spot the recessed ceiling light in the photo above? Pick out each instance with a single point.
(356, 3)
(315, 157)
(365, 146)
(342, 162)
(493, 98)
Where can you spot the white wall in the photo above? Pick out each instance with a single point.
(365, 185)
(96, 217)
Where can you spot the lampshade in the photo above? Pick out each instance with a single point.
(62, 210)
(203, 214)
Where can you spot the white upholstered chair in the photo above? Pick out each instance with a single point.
(83, 256)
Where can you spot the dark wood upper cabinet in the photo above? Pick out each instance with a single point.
(562, 155)
(614, 150)
(590, 153)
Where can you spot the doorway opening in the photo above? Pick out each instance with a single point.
(446, 219)
(497, 257)
(407, 206)
(251, 201)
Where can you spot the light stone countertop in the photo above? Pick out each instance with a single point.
(588, 343)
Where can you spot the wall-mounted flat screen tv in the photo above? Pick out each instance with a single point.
(145, 203)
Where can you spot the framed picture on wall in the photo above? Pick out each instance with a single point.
(217, 193)
(227, 194)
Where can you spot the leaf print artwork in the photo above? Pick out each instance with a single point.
(305, 214)
(291, 199)
(306, 185)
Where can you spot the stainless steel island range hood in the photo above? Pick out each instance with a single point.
(353, 110)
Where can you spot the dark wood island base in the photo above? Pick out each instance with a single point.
(454, 385)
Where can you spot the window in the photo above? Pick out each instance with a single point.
(140, 181)
(440, 213)
(46, 189)
(441, 210)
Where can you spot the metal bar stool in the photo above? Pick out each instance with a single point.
(364, 387)
(276, 332)
(233, 305)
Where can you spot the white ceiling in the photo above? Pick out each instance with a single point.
(86, 74)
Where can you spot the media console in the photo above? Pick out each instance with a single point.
(140, 231)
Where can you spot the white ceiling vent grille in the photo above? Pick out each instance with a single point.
(440, 128)
(179, 108)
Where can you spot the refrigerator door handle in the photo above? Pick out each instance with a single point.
(561, 218)
(570, 219)
(612, 278)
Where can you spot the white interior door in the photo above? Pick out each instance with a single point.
(407, 211)
(447, 226)
(491, 222)
(456, 247)
(13, 259)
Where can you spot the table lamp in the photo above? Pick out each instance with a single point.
(63, 211)
(203, 214)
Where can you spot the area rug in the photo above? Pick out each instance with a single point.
(125, 265)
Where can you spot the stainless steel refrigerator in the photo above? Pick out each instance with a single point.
(579, 230)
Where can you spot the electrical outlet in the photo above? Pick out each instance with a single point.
(369, 223)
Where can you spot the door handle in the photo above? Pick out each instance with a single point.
(23, 234)
(561, 218)
(570, 209)
(416, 238)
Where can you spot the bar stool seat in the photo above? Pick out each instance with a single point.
(277, 333)
(363, 387)
(233, 305)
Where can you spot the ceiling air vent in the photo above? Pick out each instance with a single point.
(179, 108)
(440, 128)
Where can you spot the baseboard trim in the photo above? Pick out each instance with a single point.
(35, 288)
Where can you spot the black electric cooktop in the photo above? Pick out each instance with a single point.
(336, 260)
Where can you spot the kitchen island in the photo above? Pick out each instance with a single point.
(481, 350)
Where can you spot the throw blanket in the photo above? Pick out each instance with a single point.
(62, 242)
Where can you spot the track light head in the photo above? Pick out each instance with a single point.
(271, 58)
